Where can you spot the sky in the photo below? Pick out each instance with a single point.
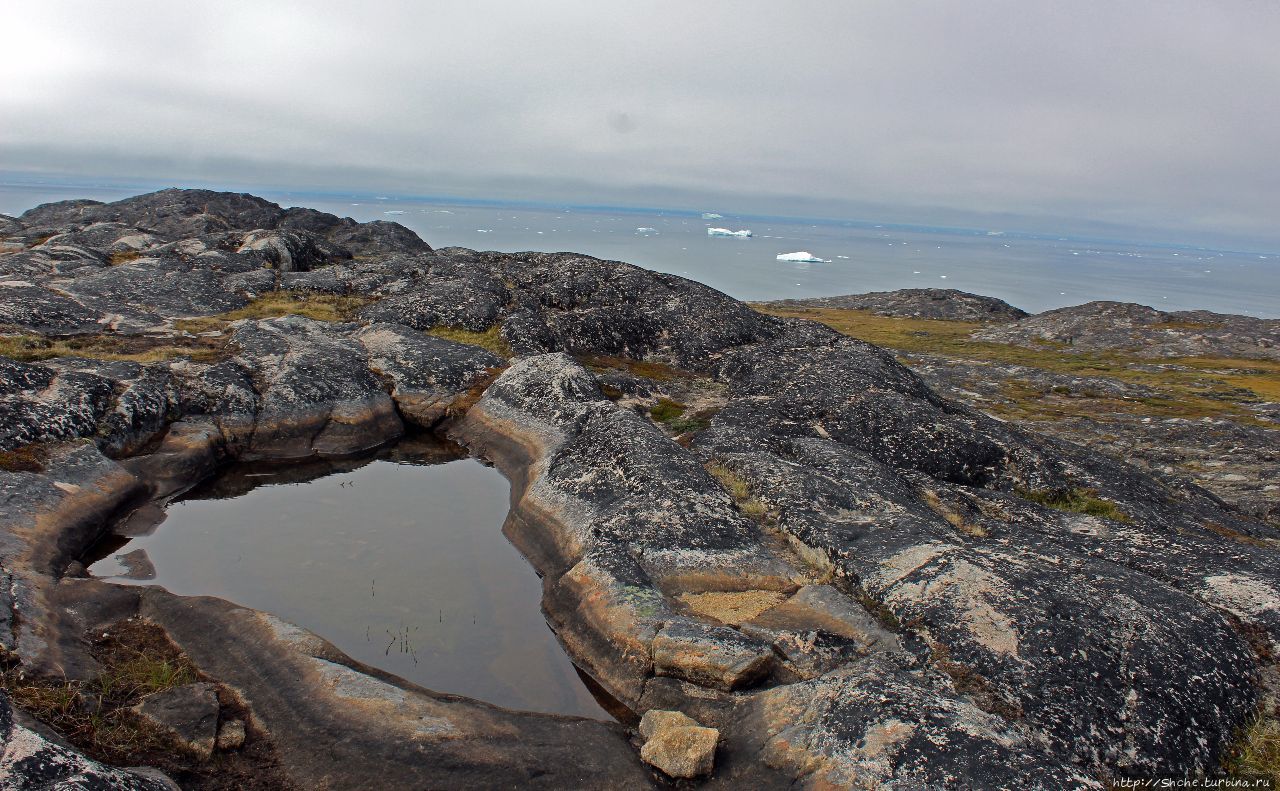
(1088, 114)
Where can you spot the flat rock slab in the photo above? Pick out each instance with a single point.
(714, 656)
(189, 712)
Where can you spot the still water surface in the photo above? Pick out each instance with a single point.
(402, 566)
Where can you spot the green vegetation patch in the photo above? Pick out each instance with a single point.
(137, 660)
(490, 339)
(1188, 387)
(123, 257)
(666, 410)
(654, 371)
(1256, 752)
(273, 304)
(692, 424)
(106, 346)
(740, 491)
(1076, 501)
(674, 415)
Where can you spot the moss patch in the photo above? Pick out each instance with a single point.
(95, 716)
(1188, 387)
(1077, 501)
(28, 458)
(490, 339)
(273, 304)
(123, 257)
(653, 371)
(666, 410)
(134, 348)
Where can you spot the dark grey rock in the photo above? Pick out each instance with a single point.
(1145, 331)
(427, 373)
(316, 393)
(189, 712)
(29, 307)
(920, 303)
(41, 404)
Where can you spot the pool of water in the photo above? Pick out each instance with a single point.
(401, 564)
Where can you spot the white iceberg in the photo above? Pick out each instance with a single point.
(743, 234)
(646, 230)
(710, 215)
(803, 257)
(394, 211)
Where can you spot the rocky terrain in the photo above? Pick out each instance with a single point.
(1192, 396)
(947, 304)
(777, 550)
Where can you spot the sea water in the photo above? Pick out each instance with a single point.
(1033, 272)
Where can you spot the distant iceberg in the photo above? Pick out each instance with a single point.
(712, 216)
(646, 230)
(743, 234)
(803, 257)
(393, 211)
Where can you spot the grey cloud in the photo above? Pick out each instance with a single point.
(1139, 113)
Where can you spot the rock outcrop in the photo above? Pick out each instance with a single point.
(852, 580)
(1149, 332)
(919, 303)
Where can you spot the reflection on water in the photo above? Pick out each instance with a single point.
(402, 566)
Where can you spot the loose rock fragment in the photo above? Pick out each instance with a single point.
(189, 712)
(677, 744)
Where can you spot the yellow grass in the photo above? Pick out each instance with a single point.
(1190, 387)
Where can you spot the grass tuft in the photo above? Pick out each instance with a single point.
(137, 660)
(1187, 387)
(1257, 751)
(490, 339)
(133, 348)
(274, 304)
(123, 257)
(740, 491)
(653, 371)
(1076, 501)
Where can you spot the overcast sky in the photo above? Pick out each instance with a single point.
(1160, 114)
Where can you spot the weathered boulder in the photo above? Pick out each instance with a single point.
(317, 394)
(427, 373)
(677, 744)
